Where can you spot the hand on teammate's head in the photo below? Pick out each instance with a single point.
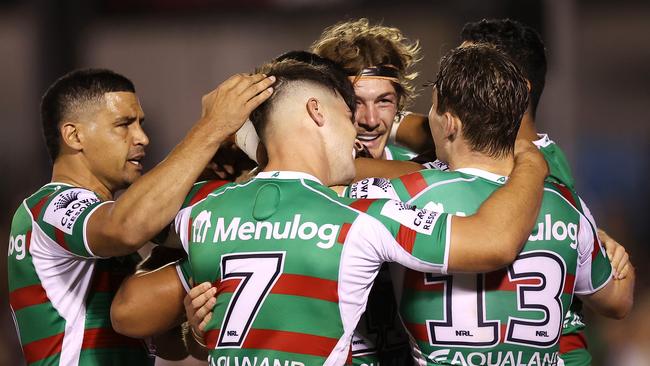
(229, 105)
(528, 152)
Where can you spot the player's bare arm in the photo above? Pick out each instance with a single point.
(148, 303)
(121, 227)
(413, 132)
(368, 167)
(493, 237)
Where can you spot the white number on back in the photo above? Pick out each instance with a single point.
(258, 273)
(464, 321)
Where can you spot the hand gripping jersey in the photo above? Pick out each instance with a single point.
(509, 317)
(293, 264)
(60, 293)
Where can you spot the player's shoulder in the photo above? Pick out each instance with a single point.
(428, 177)
(560, 195)
(440, 174)
(201, 190)
(57, 201)
(399, 153)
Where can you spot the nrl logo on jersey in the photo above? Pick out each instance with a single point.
(248, 230)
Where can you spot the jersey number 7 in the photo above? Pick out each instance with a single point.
(258, 272)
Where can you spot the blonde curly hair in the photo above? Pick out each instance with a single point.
(356, 45)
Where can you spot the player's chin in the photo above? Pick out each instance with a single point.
(376, 151)
(132, 176)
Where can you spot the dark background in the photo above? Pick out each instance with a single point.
(595, 104)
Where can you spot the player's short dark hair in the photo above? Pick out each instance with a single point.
(481, 86)
(302, 66)
(72, 92)
(522, 43)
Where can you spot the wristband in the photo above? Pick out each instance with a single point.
(246, 139)
(197, 338)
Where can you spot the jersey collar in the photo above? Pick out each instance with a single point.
(484, 174)
(279, 174)
(543, 141)
(388, 153)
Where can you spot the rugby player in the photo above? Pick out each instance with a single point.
(514, 315)
(524, 45)
(307, 256)
(71, 240)
(379, 60)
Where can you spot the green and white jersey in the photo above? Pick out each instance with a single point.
(396, 152)
(293, 264)
(559, 168)
(60, 293)
(509, 317)
(380, 338)
(573, 345)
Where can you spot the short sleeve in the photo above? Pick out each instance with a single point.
(422, 234)
(65, 219)
(184, 271)
(594, 268)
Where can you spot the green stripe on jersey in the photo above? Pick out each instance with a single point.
(48, 361)
(303, 311)
(577, 357)
(39, 322)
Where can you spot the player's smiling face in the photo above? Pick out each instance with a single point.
(377, 103)
(114, 141)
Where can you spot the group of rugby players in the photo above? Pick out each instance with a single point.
(494, 249)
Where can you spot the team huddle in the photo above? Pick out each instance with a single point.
(364, 234)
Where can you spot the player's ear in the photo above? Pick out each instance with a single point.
(70, 135)
(450, 125)
(315, 110)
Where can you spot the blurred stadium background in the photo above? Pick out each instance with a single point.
(595, 104)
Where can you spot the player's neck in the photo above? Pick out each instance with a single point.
(477, 160)
(71, 170)
(528, 131)
(290, 159)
